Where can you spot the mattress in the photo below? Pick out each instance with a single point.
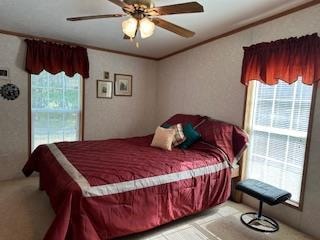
(111, 188)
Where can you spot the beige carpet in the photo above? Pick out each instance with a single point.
(26, 215)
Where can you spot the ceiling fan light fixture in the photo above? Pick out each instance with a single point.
(146, 27)
(143, 15)
(129, 27)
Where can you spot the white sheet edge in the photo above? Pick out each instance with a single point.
(114, 188)
(68, 167)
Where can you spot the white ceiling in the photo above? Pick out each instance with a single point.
(47, 18)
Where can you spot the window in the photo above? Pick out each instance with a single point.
(277, 120)
(56, 102)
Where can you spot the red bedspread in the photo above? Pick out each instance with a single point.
(106, 189)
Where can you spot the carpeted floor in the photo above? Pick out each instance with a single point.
(26, 215)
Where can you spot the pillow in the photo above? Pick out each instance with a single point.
(179, 136)
(191, 134)
(184, 119)
(163, 138)
(166, 125)
(228, 137)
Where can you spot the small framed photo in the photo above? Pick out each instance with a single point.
(104, 89)
(4, 73)
(122, 85)
(106, 75)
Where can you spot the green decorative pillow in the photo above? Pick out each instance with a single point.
(165, 125)
(191, 134)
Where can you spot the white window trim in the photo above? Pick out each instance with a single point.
(248, 122)
(81, 113)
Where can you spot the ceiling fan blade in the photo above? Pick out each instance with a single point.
(191, 7)
(95, 17)
(173, 28)
(122, 4)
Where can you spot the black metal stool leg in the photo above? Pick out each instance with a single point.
(274, 223)
(260, 209)
(256, 221)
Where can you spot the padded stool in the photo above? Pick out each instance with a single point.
(265, 193)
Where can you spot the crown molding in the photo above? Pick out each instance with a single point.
(23, 35)
(226, 34)
(251, 25)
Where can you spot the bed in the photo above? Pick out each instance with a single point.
(111, 188)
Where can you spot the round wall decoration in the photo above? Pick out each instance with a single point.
(9, 91)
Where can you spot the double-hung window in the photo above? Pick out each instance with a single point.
(277, 120)
(56, 108)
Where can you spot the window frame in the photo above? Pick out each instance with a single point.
(247, 125)
(82, 112)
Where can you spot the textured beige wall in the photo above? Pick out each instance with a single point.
(104, 118)
(13, 114)
(301, 23)
(120, 116)
(206, 80)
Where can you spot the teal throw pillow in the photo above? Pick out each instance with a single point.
(191, 134)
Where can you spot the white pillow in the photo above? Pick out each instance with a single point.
(163, 138)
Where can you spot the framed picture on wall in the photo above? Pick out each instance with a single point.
(106, 75)
(122, 85)
(104, 89)
(4, 73)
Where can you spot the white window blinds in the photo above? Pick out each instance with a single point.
(55, 108)
(278, 133)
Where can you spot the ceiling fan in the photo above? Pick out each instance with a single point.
(143, 16)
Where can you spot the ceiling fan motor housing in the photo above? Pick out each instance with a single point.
(146, 3)
(140, 8)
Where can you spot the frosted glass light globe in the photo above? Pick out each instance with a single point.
(129, 27)
(146, 28)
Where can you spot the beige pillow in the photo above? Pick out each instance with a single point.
(163, 138)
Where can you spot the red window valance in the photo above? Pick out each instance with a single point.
(55, 58)
(284, 59)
